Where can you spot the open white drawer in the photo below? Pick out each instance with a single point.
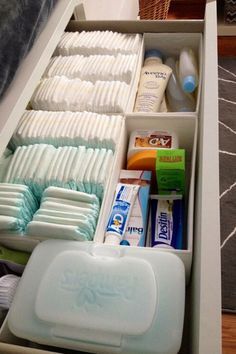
(203, 305)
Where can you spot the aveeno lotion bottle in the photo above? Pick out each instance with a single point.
(153, 81)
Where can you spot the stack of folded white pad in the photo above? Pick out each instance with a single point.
(66, 214)
(108, 97)
(71, 66)
(67, 128)
(17, 206)
(62, 94)
(92, 73)
(94, 67)
(41, 165)
(29, 165)
(98, 42)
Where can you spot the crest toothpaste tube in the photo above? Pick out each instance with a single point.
(120, 212)
(166, 221)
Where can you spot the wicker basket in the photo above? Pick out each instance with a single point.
(153, 9)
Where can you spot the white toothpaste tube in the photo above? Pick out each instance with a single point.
(120, 212)
(135, 234)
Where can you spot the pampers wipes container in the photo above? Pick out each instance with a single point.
(101, 298)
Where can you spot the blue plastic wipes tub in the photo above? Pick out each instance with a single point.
(166, 221)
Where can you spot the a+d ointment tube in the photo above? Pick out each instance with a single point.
(167, 221)
(120, 212)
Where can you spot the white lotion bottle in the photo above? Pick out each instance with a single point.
(153, 81)
(178, 100)
(188, 71)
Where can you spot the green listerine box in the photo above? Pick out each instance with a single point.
(170, 171)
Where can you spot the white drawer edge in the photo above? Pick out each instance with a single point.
(31, 69)
(206, 300)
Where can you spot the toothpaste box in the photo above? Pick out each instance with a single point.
(137, 225)
(170, 171)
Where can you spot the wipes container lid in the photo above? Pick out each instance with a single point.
(105, 299)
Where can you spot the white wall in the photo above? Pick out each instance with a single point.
(107, 10)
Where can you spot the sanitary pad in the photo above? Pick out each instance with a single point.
(67, 128)
(65, 214)
(17, 206)
(98, 42)
(29, 166)
(108, 97)
(71, 66)
(62, 94)
(119, 67)
(78, 168)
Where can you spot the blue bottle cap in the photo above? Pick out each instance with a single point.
(189, 83)
(152, 53)
(124, 243)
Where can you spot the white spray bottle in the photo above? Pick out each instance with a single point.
(188, 71)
